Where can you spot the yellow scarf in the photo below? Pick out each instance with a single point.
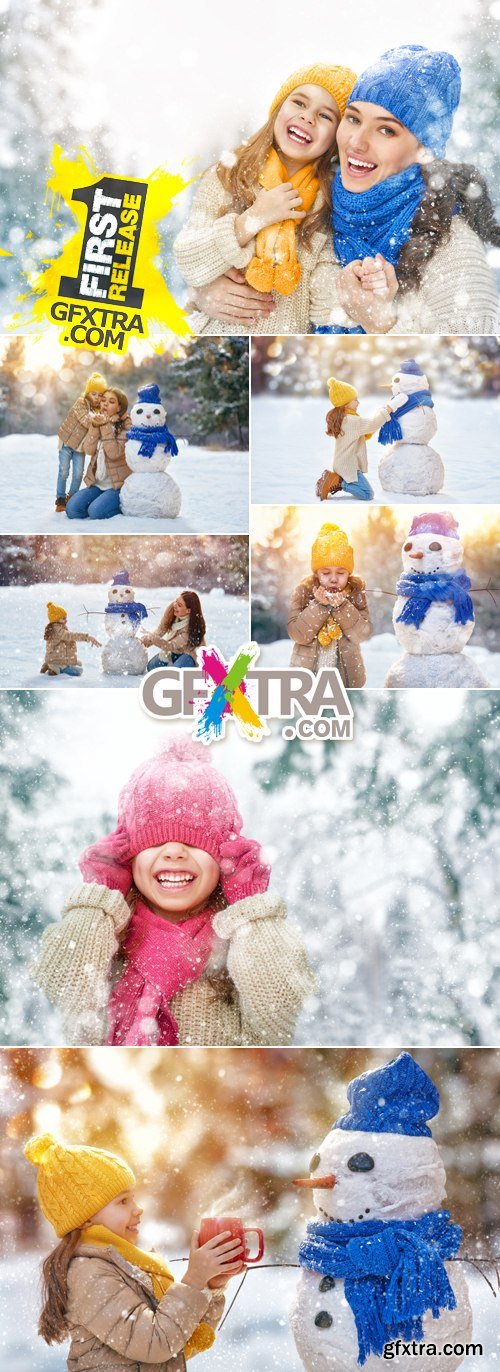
(161, 1277)
(275, 266)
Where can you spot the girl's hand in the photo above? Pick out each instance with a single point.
(363, 307)
(271, 207)
(219, 1257)
(231, 299)
(325, 597)
(95, 643)
(379, 276)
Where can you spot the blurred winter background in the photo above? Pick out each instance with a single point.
(75, 571)
(204, 386)
(179, 84)
(223, 1131)
(281, 555)
(290, 447)
(385, 849)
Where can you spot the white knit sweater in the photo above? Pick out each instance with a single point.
(261, 949)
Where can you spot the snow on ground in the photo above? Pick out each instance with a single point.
(256, 1333)
(290, 450)
(378, 654)
(23, 618)
(214, 489)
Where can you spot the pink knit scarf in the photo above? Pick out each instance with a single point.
(161, 959)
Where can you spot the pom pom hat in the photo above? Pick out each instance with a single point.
(97, 383)
(55, 612)
(443, 524)
(338, 81)
(331, 548)
(74, 1182)
(395, 1099)
(419, 87)
(178, 796)
(150, 395)
(340, 392)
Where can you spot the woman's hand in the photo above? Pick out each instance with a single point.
(269, 207)
(373, 314)
(146, 640)
(219, 1257)
(230, 299)
(379, 276)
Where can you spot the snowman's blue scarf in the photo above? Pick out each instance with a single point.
(150, 439)
(375, 221)
(135, 610)
(393, 1272)
(391, 431)
(422, 589)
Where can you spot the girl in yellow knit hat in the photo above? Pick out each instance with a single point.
(60, 644)
(72, 435)
(119, 1304)
(350, 431)
(263, 213)
(329, 615)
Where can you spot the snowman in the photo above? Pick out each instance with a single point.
(410, 467)
(149, 491)
(433, 614)
(123, 654)
(374, 1262)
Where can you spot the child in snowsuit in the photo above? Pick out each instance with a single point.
(72, 434)
(350, 431)
(329, 615)
(60, 651)
(174, 937)
(118, 1304)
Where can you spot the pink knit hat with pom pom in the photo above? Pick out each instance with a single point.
(178, 796)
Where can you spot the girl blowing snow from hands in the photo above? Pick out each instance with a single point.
(119, 1305)
(174, 937)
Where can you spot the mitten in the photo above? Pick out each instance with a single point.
(76, 954)
(108, 861)
(243, 870)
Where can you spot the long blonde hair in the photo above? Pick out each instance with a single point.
(241, 178)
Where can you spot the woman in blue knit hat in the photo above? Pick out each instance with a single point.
(409, 228)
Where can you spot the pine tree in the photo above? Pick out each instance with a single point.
(214, 375)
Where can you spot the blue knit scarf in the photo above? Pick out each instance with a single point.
(133, 608)
(391, 431)
(150, 439)
(426, 588)
(393, 1272)
(375, 221)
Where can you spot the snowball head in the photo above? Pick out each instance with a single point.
(119, 595)
(431, 552)
(409, 382)
(148, 415)
(378, 1176)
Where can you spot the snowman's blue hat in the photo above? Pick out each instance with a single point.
(121, 579)
(150, 395)
(411, 367)
(395, 1099)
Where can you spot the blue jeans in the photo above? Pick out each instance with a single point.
(360, 488)
(69, 458)
(92, 503)
(178, 660)
(70, 671)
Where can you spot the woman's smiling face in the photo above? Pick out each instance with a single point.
(306, 125)
(373, 145)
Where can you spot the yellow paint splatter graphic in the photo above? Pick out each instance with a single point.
(106, 285)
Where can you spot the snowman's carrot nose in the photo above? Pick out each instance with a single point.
(416, 555)
(319, 1183)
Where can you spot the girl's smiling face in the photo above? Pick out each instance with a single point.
(122, 1215)
(305, 125)
(373, 145)
(333, 578)
(175, 878)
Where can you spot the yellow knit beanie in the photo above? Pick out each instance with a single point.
(331, 548)
(340, 392)
(338, 81)
(74, 1181)
(55, 612)
(95, 382)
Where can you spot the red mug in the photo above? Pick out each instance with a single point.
(211, 1226)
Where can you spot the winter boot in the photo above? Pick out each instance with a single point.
(328, 484)
(61, 503)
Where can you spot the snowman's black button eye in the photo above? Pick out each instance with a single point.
(139, 411)
(360, 1162)
(407, 547)
(435, 547)
(314, 1163)
(156, 411)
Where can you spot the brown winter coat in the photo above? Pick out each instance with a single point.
(75, 427)
(61, 644)
(307, 616)
(175, 642)
(113, 438)
(116, 1323)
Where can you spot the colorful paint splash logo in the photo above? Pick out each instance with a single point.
(229, 699)
(106, 285)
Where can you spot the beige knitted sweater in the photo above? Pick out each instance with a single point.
(350, 446)
(260, 948)
(207, 247)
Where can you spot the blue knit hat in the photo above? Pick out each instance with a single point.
(150, 395)
(419, 87)
(410, 368)
(395, 1099)
(121, 579)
